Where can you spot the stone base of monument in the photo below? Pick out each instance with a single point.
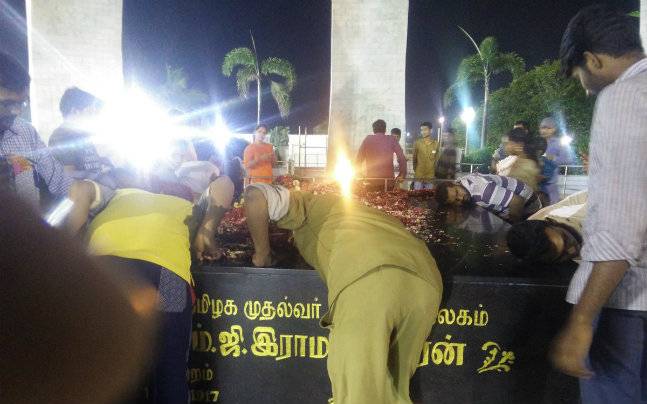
(257, 339)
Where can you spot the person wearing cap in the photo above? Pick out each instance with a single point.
(382, 305)
(557, 153)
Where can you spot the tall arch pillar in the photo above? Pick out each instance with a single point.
(368, 60)
(71, 43)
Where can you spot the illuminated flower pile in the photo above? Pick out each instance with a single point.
(410, 207)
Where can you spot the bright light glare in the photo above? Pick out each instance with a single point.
(441, 120)
(344, 173)
(58, 214)
(221, 134)
(468, 115)
(135, 130)
(566, 140)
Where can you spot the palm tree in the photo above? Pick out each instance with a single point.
(249, 70)
(487, 62)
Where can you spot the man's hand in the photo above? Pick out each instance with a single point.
(206, 247)
(571, 347)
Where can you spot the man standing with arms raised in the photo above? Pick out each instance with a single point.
(604, 340)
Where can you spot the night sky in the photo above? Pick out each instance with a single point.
(196, 34)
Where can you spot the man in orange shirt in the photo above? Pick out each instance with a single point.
(259, 157)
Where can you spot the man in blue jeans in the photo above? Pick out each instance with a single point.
(604, 341)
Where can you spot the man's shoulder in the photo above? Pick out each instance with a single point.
(23, 128)
(632, 87)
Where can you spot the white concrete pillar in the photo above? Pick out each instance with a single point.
(71, 43)
(368, 59)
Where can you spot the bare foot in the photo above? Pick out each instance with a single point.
(263, 260)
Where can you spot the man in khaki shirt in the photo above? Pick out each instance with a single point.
(384, 288)
(425, 154)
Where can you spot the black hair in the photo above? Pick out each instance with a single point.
(523, 124)
(262, 125)
(427, 124)
(76, 99)
(13, 76)
(441, 192)
(540, 145)
(396, 131)
(379, 126)
(451, 131)
(528, 240)
(598, 29)
(519, 135)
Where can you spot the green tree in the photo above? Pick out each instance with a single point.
(245, 60)
(175, 91)
(481, 67)
(540, 92)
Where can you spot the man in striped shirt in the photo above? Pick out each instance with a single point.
(504, 196)
(604, 340)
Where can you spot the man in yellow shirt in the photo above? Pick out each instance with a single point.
(147, 236)
(381, 304)
(425, 154)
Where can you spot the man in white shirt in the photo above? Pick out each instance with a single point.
(604, 339)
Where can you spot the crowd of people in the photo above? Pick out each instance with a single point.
(145, 230)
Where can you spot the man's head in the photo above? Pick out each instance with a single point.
(76, 103)
(379, 126)
(449, 136)
(547, 128)
(599, 44)
(425, 129)
(14, 89)
(451, 194)
(396, 133)
(260, 133)
(544, 241)
(521, 125)
(518, 143)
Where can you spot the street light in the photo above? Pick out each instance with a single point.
(441, 121)
(467, 116)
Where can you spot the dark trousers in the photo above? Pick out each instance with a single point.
(618, 357)
(166, 381)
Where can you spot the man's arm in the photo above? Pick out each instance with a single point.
(258, 219)
(571, 346)
(616, 226)
(361, 155)
(50, 170)
(515, 208)
(402, 160)
(221, 194)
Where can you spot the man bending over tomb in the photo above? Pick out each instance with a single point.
(381, 305)
(505, 196)
(553, 234)
(149, 235)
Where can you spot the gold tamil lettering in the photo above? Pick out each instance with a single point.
(264, 342)
(252, 309)
(285, 347)
(424, 357)
(201, 341)
(481, 317)
(446, 316)
(494, 353)
(268, 312)
(284, 310)
(447, 353)
(217, 308)
(229, 341)
(300, 345)
(230, 308)
(318, 347)
(463, 318)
